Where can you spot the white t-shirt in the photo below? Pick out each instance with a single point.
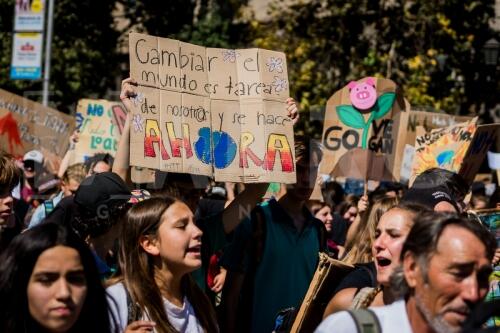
(392, 318)
(182, 319)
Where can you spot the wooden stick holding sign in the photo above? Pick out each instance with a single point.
(208, 111)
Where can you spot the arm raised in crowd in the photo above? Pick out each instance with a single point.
(362, 210)
(73, 139)
(121, 166)
(242, 205)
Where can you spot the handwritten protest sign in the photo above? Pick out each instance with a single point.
(460, 148)
(430, 121)
(209, 111)
(27, 125)
(443, 147)
(363, 122)
(100, 123)
(485, 136)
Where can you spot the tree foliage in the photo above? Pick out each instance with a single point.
(430, 48)
(84, 52)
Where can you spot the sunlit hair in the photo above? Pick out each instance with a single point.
(77, 172)
(138, 271)
(423, 239)
(359, 249)
(9, 172)
(16, 266)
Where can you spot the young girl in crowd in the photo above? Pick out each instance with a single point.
(359, 249)
(390, 236)
(49, 283)
(160, 246)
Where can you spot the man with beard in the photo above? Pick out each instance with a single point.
(446, 262)
(273, 256)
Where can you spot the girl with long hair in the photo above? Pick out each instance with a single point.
(159, 246)
(49, 283)
(359, 249)
(390, 234)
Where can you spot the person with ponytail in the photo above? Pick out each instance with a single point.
(159, 246)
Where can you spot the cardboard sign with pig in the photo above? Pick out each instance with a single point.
(210, 111)
(363, 124)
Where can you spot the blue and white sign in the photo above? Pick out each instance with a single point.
(26, 56)
(29, 15)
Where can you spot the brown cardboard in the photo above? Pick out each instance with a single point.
(27, 125)
(230, 117)
(378, 142)
(99, 131)
(430, 121)
(460, 148)
(328, 275)
(484, 137)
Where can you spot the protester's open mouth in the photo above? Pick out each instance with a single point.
(383, 262)
(194, 249)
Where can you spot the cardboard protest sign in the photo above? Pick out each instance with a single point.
(100, 123)
(363, 124)
(460, 148)
(430, 121)
(208, 111)
(442, 147)
(485, 136)
(328, 275)
(27, 125)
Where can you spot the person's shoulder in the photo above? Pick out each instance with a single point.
(117, 292)
(393, 317)
(338, 322)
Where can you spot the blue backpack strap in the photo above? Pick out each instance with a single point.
(48, 205)
(366, 321)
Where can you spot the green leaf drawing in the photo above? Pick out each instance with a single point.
(350, 116)
(384, 104)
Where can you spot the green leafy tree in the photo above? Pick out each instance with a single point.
(430, 48)
(84, 52)
(209, 23)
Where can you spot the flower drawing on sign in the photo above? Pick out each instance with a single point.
(364, 100)
(138, 99)
(275, 64)
(138, 123)
(79, 120)
(230, 55)
(279, 84)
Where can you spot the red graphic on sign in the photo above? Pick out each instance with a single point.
(8, 125)
(27, 47)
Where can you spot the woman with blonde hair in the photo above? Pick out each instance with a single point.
(390, 235)
(359, 249)
(160, 246)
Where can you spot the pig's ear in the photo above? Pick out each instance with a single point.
(370, 81)
(352, 84)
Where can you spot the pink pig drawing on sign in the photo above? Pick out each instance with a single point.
(363, 95)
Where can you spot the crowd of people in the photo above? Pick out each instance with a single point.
(88, 251)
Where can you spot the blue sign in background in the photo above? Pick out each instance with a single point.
(25, 73)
